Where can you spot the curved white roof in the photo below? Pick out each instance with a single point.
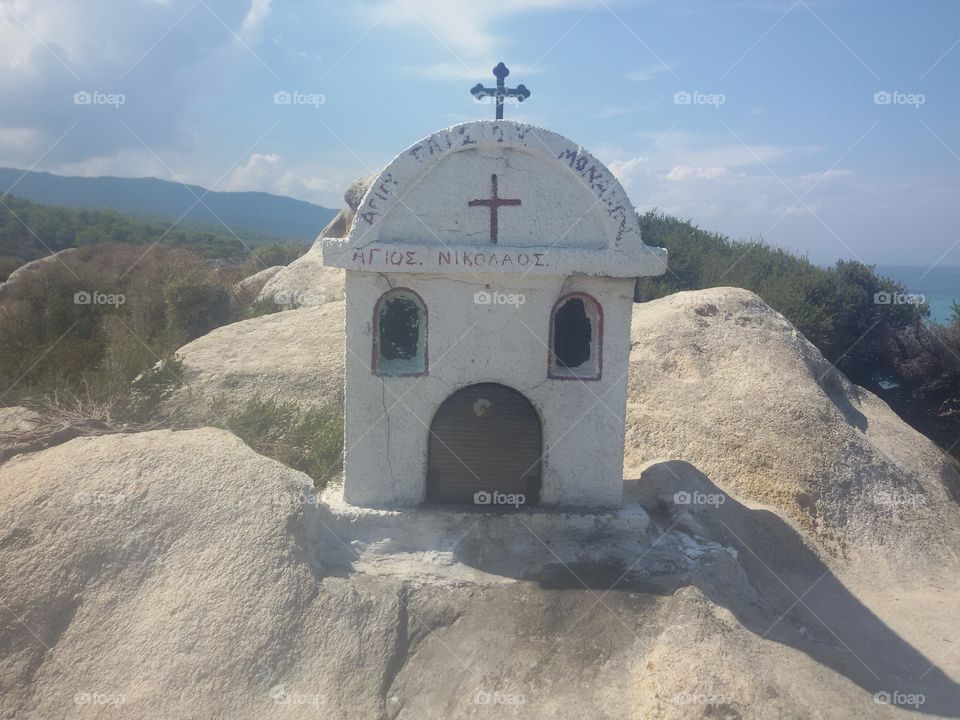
(482, 196)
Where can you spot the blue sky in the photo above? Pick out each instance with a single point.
(783, 137)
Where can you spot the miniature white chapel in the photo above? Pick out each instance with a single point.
(490, 274)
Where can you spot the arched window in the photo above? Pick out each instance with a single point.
(400, 334)
(576, 338)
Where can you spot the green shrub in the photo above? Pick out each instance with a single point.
(52, 345)
(309, 440)
(154, 385)
(835, 308)
(196, 306)
(266, 306)
(265, 256)
(7, 266)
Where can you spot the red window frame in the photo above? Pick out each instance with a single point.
(596, 340)
(375, 345)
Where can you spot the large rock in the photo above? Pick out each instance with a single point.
(305, 282)
(180, 575)
(293, 357)
(16, 420)
(354, 194)
(253, 284)
(719, 379)
(15, 423)
(158, 576)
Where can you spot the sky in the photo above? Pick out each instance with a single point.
(828, 127)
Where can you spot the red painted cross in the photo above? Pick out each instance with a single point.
(494, 203)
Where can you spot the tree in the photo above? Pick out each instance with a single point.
(195, 306)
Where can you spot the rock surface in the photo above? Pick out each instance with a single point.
(305, 282)
(293, 357)
(153, 575)
(719, 379)
(18, 419)
(181, 575)
(787, 549)
(255, 282)
(354, 194)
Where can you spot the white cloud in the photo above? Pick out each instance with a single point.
(255, 18)
(108, 31)
(724, 183)
(818, 177)
(477, 71)
(649, 72)
(682, 156)
(125, 163)
(686, 172)
(20, 142)
(735, 155)
(623, 169)
(257, 172)
(732, 189)
(166, 58)
(268, 172)
(466, 27)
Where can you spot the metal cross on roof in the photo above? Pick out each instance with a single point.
(500, 91)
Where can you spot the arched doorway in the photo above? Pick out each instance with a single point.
(485, 449)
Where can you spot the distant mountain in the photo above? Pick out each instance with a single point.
(30, 231)
(152, 198)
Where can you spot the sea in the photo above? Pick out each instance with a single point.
(940, 286)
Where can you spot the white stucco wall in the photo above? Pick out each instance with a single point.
(387, 418)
